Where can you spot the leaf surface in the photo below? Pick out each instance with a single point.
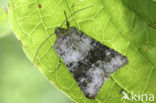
(119, 24)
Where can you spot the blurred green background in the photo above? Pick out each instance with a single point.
(20, 81)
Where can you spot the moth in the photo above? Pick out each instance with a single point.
(90, 62)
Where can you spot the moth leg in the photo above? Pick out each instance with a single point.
(73, 6)
(52, 46)
(59, 64)
(67, 22)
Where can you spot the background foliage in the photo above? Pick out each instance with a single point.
(20, 82)
(127, 26)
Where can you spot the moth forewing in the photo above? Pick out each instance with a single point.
(90, 62)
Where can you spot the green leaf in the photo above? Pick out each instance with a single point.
(4, 25)
(119, 24)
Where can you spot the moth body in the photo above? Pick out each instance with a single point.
(90, 62)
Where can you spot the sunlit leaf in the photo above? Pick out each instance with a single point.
(118, 24)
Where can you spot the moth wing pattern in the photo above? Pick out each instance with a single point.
(90, 62)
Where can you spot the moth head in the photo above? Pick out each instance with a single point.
(59, 30)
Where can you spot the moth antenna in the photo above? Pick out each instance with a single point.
(67, 22)
(58, 65)
(74, 14)
(41, 46)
